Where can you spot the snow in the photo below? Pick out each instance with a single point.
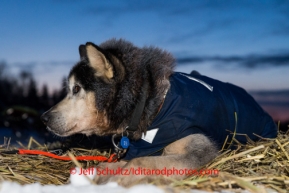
(112, 187)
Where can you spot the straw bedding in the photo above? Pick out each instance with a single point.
(253, 167)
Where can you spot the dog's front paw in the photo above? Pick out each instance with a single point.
(129, 180)
(106, 171)
(101, 177)
(122, 176)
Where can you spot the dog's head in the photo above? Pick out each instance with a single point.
(91, 86)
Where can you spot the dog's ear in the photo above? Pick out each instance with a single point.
(97, 60)
(82, 51)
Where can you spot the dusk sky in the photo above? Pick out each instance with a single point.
(243, 42)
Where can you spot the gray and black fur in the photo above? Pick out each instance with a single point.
(120, 95)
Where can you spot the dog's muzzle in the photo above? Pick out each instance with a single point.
(53, 123)
(45, 117)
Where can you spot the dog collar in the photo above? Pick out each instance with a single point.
(138, 111)
(120, 147)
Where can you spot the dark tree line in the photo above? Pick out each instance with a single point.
(21, 104)
(23, 91)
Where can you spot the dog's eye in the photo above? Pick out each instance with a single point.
(75, 89)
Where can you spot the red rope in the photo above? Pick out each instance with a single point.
(67, 158)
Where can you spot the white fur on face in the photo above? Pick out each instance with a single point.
(78, 113)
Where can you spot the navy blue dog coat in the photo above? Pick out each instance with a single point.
(199, 104)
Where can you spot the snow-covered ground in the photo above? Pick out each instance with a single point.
(9, 187)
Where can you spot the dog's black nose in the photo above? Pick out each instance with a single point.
(45, 118)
